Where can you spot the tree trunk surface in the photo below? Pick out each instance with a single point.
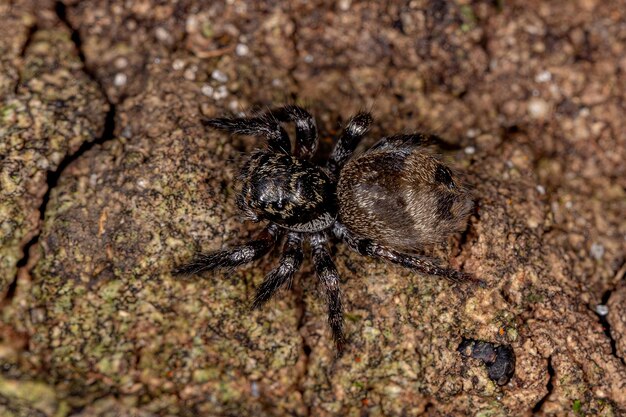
(108, 180)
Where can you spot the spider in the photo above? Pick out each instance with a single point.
(386, 203)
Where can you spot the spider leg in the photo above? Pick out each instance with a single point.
(329, 279)
(265, 125)
(306, 130)
(422, 264)
(290, 262)
(352, 134)
(236, 256)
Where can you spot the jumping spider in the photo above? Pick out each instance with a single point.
(392, 199)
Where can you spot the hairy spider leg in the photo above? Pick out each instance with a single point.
(265, 125)
(421, 264)
(329, 279)
(282, 275)
(352, 134)
(236, 256)
(306, 129)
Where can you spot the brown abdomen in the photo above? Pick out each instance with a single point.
(403, 198)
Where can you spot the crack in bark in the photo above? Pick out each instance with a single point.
(61, 11)
(549, 387)
(604, 318)
(108, 131)
(606, 326)
(31, 34)
(53, 176)
(109, 127)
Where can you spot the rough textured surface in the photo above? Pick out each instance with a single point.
(529, 96)
(49, 108)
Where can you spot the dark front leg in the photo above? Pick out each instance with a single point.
(236, 256)
(352, 134)
(265, 125)
(329, 280)
(289, 264)
(306, 130)
(422, 264)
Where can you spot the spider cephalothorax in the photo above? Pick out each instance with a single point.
(394, 198)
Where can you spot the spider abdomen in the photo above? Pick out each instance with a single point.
(403, 197)
(293, 193)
